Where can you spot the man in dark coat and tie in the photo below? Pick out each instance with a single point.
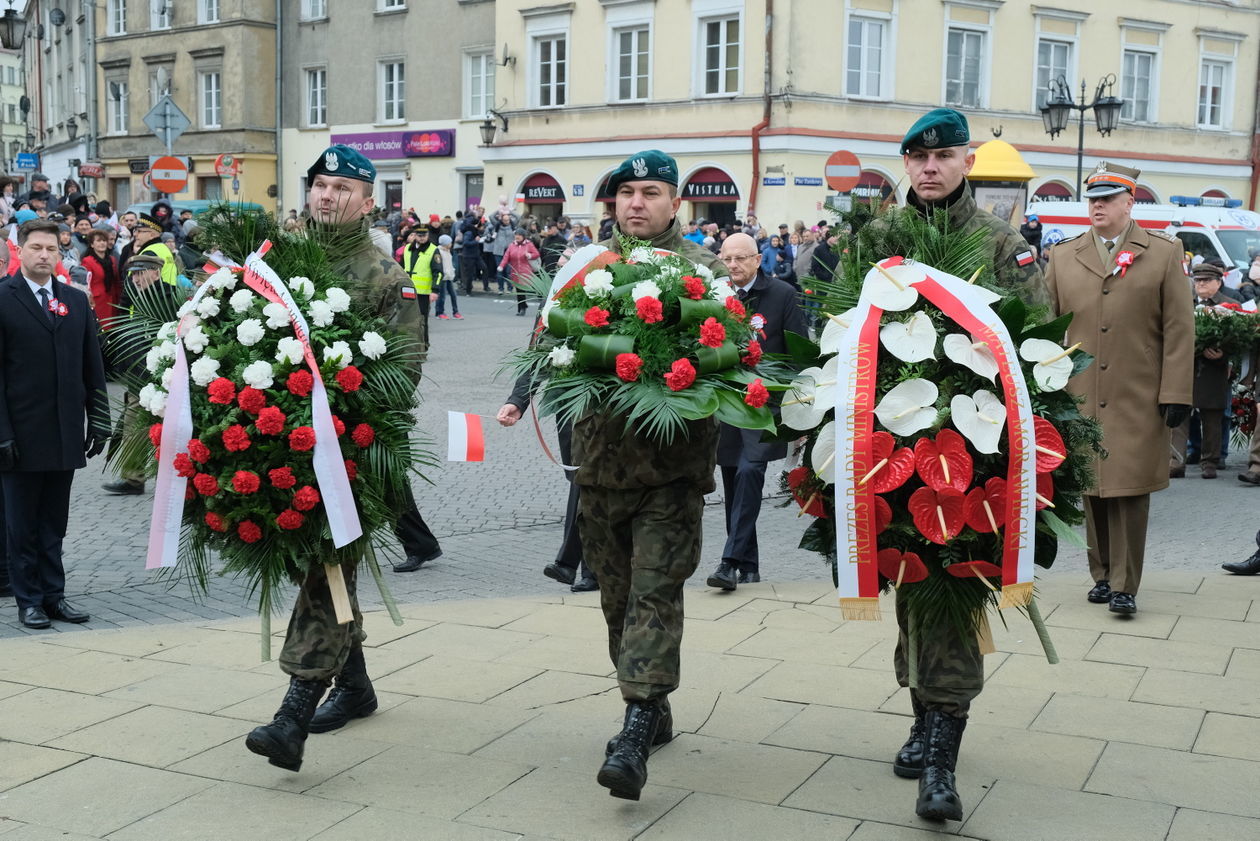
(775, 308)
(54, 414)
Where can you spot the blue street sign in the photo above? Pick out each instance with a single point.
(805, 181)
(27, 161)
(579, 189)
(774, 182)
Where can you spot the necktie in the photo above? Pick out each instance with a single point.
(742, 294)
(44, 302)
(1111, 245)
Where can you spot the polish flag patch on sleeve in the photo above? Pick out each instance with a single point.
(465, 441)
(1024, 258)
(409, 293)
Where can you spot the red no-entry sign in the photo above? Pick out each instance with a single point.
(170, 174)
(843, 171)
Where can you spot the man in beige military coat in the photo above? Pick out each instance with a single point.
(1132, 312)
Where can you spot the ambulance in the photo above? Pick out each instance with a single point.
(1212, 228)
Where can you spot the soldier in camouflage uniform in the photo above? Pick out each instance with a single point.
(639, 512)
(316, 648)
(950, 667)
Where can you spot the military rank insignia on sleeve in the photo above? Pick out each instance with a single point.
(409, 293)
(1024, 258)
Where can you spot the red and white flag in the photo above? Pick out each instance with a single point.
(465, 441)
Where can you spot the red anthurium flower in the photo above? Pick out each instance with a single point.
(1050, 448)
(892, 465)
(974, 569)
(883, 514)
(986, 507)
(1045, 491)
(901, 567)
(811, 503)
(945, 462)
(938, 515)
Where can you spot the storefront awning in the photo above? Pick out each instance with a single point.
(710, 185)
(1052, 191)
(872, 185)
(541, 188)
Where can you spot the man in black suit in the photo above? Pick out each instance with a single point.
(53, 412)
(741, 454)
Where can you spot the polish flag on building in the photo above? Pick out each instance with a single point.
(465, 441)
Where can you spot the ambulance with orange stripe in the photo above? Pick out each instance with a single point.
(1212, 228)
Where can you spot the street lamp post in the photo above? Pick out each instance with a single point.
(1059, 107)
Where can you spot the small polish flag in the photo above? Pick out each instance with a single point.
(464, 440)
(1023, 258)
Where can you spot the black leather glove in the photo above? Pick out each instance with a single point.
(95, 443)
(8, 455)
(1175, 414)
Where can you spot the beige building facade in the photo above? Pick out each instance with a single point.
(590, 82)
(12, 118)
(217, 61)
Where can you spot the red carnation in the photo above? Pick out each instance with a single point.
(300, 383)
(756, 395)
(290, 519)
(349, 378)
(338, 426)
(650, 310)
(735, 306)
(215, 522)
(247, 481)
(693, 286)
(754, 354)
(206, 484)
(222, 391)
(235, 438)
(270, 421)
(199, 451)
(306, 498)
(352, 470)
(282, 478)
(155, 434)
(184, 466)
(597, 317)
(628, 366)
(712, 334)
(302, 439)
(249, 532)
(251, 400)
(363, 435)
(681, 374)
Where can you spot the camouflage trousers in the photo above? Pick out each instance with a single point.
(315, 646)
(951, 668)
(642, 544)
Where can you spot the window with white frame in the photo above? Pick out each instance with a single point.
(391, 5)
(721, 56)
(116, 17)
(632, 63)
(1214, 81)
(1054, 59)
(207, 11)
(116, 106)
(316, 96)
(160, 14)
(314, 9)
(210, 97)
(866, 49)
(391, 107)
(479, 71)
(551, 69)
(1137, 80)
(965, 51)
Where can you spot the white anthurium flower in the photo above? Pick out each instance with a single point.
(241, 300)
(987, 296)
(195, 340)
(338, 352)
(337, 298)
(833, 332)
(249, 332)
(891, 288)
(974, 355)
(598, 284)
(277, 316)
(321, 313)
(801, 408)
(302, 287)
(823, 457)
(289, 350)
(645, 289)
(259, 374)
(908, 407)
(1053, 366)
(980, 418)
(826, 385)
(561, 356)
(910, 341)
(208, 306)
(203, 371)
(373, 345)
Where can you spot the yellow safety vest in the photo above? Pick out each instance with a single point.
(422, 272)
(170, 272)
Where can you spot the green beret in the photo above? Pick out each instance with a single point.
(652, 165)
(343, 162)
(937, 129)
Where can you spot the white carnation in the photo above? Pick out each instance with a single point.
(208, 307)
(302, 286)
(704, 272)
(643, 255)
(321, 313)
(372, 346)
(561, 356)
(249, 332)
(184, 309)
(241, 300)
(224, 278)
(258, 374)
(203, 371)
(153, 399)
(157, 355)
(599, 284)
(721, 290)
(277, 316)
(337, 299)
(167, 376)
(339, 353)
(167, 330)
(645, 289)
(546, 310)
(289, 350)
(196, 339)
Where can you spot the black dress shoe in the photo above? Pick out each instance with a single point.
(564, 575)
(1251, 566)
(1123, 603)
(586, 585)
(34, 617)
(63, 611)
(414, 562)
(725, 577)
(1101, 592)
(749, 576)
(125, 487)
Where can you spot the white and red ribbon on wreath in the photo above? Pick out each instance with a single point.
(177, 429)
(856, 543)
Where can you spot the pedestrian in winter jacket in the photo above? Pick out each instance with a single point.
(516, 259)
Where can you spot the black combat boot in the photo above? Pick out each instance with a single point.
(352, 696)
(908, 762)
(664, 728)
(625, 772)
(283, 739)
(938, 797)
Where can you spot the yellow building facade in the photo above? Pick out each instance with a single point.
(753, 97)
